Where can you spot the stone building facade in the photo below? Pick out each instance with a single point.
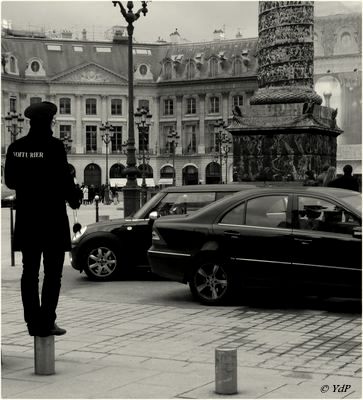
(186, 86)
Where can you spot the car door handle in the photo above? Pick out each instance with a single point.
(232, 233)
(303, 241)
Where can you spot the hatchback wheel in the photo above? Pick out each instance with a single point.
(101, 262)
(210, 282)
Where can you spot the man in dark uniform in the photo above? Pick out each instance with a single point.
(347, 181)
(36, 167)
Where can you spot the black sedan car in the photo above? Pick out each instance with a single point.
(104, 249)
(303, 238)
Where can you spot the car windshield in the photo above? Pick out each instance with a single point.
(355, 201)
(149, 205)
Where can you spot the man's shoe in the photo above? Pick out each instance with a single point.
(57, 331)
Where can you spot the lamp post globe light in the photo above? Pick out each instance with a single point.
(107, 134)
(220, 135)
(14, 124)
(173, 138)
(131, 191)
(143, 122)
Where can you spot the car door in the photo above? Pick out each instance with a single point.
(255, 236)
(326, 255)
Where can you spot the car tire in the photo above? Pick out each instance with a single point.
(210, 281)
(101, 261)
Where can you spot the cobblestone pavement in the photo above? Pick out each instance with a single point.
(295, 344)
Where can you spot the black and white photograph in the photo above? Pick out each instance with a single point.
(181, 207)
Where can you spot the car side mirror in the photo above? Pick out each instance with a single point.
(357, 232)
(154, 215)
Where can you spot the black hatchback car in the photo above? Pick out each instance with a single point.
(303, 238)
(104, 249)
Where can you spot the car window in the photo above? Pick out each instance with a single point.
(182, 203)
(321, 215)
(235, 216)
(267, 211)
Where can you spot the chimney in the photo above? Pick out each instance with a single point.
(84, 34)
(175, 37)
(218, 34)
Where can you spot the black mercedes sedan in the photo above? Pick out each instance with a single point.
(103, 250)
(303, 238)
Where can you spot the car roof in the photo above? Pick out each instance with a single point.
(235, 187)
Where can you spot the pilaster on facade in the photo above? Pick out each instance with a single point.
(201, 145)
(78, 136)
(154, 136)
(225, 107)
(179, 125)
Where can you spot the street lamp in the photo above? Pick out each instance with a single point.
(131, 194)
(14, 124)
(143, 122)
(67, 142)
(173, 143)
(107, 134)
(220, 135)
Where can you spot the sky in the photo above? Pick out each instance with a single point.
(195, 20)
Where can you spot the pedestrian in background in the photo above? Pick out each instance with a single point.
(33, 163)
(347, 181)
(85, 195)
(330, 176)
(321, 177)
(310, 178)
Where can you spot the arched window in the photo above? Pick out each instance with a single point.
(190, 70)
(213, 67)
(190, 175)
(117, 170)
(213, 173)
(237, 66)
(92, 175)
(148, 170)
(167, 172)
(64, 105)
(12, 64)
(167, 70)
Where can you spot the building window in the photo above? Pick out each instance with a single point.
(168, 69)
(116, 107)
(237, 101)
(91, 106)
(103, 49)
(213, 67)
(34, 100)
(13, 104)
(12, 64)
(64, 105)
(78, 48)
(34, 66)
(144, 104)
(54, 47)
(91, 138)
(168, 107)
(214, 104)
(191, 105)
(190, 70)
(143, 69)
(116, 140)
(191, 139)
(237, 67)
(65, 131)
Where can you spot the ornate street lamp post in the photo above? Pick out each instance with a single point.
(107, 134)
(131, 193)
(14, 124)
(143, 122)
(173, 143)
(220, 134)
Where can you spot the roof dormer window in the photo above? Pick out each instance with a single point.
(54, 47)
(35, 68)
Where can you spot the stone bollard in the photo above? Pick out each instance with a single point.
(44, 363)
(226, 370)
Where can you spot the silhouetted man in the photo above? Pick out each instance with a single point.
(347, 181)
(36, 167)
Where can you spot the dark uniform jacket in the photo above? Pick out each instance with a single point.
(36, 167)
(345, 182)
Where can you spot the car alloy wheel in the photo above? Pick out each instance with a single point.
(101, 263)
(209, 283)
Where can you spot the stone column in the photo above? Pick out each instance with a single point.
(179, 125)
(201, 146)
(225, 108)
(78, 134)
